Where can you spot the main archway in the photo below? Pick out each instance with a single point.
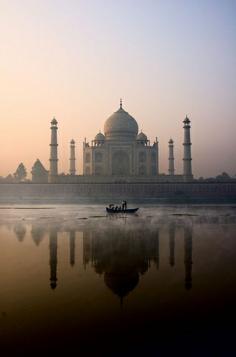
(120, 163)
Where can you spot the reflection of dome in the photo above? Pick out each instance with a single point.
(121, 283)
(99, 137)
(142, 137)
(120, 124)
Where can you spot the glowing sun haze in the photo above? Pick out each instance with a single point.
(75, 59)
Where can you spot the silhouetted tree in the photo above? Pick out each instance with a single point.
(20, 231)
(20, 173)
(223, 177)
(9, 178)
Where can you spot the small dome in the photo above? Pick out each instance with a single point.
(142, 137)
(99, 137)
(120, 125)
(171, 141)
(72, 142)
(186, 120)
(54, 121)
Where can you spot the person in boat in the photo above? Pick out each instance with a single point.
(111, 205)
(123, 205)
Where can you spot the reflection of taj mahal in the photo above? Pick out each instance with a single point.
(118, 254)
(122, 152)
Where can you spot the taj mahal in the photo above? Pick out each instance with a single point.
(120, 153)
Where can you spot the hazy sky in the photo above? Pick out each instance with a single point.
(74, 60)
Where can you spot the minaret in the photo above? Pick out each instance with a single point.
(157, 153)
(72, 157)
(171, 158)
(53, 152)
(187, 160)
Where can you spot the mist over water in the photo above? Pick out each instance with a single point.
(161, 281)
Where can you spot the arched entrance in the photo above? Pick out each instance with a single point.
(120, 163)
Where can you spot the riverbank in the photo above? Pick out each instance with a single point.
(182, 192)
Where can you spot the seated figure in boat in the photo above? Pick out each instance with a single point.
(123, 206)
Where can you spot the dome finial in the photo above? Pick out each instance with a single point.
(120, 103)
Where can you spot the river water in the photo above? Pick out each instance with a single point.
(160, 282)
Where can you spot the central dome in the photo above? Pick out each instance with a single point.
(120, 125)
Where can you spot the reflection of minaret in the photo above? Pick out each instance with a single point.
(87, 247)
(172, 244)
(157, 261)
(188, 256)
(72, 248)
(53, 258)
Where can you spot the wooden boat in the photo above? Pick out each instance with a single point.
(127, 210)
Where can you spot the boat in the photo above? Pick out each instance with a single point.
(127, 210)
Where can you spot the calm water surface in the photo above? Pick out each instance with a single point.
(161, 282)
